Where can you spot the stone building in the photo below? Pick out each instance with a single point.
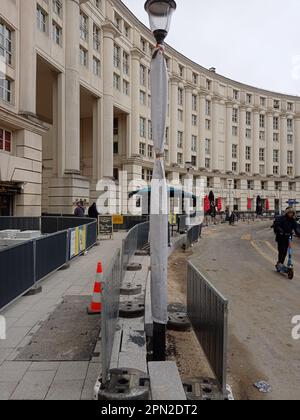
(75, 108)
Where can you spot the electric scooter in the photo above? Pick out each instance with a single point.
(289, 269)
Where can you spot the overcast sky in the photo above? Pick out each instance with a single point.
(256, 42)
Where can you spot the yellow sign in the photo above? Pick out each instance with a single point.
(118, 220)
(173, 219)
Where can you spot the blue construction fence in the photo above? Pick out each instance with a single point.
(24, 265)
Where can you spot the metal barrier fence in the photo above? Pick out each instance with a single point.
(136, 239)
(208, 312)
(193, 235)
(110, 312)
(24, 265)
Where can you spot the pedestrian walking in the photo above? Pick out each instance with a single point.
(93, 212)
(80, 210)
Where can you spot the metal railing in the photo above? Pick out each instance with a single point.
(24, 265)
(136, 239)
(208, 312)
(193, 235)
(110, 312)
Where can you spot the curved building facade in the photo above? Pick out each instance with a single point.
(75, 108)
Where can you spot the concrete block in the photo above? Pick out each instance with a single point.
(28, 234)
(165, 382)
(9, 234)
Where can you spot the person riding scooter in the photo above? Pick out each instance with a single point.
(284, 226)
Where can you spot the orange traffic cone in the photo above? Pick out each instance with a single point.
(95, 307)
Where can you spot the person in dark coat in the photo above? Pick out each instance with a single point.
(284, 226)
(80, 210)
(93, 212)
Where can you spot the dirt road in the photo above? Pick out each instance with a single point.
(240, 263)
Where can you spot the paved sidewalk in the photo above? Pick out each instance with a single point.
(51, 380)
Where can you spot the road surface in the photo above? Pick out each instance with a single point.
(240, 262)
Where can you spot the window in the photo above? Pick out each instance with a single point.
(276, 104)
(275, 170)
(207, 108)
(6, 89)
(5, 140)
(195, 78)
(207, 146)
(143, 45)
(248, 133)
(275, 123)
(290, 171)
(278, 186)
(194, 160)
(126, 87)
(194, 120)
(236, 94)
(262, 121)
(143, 75)
(248, 168)
(41, 16)
(261, 155)
(180, 139)
(150, 151)
(180, 97)
(117, 56)
(208, 124)
(194, 143)
(117, 81)
(234, 166)
(57, 7)
(181, 70)
(116, 148)
(208, 84)
(276, 137)
(235, 131)
(56, 33)
(116, 126)
(179, 158)
(234, 151)
(147, 175)
(207, 163)
(248, 153)
(125, 63)
(290, 125)
(84, 27)
(262, 135)
(262, 170)
(150, 132)
(194, 103)
(142, 98)
(180, 115)
(250, 185)
(249, 98)
(290, 106)
(290, 139)
(290, 157)
(96, 66)
(263, 101)
(5, 43)
(83, 56)
(142, 127)
(275, 156)
(142, 149)
(235, 115)
(248, 118)
(96, 38)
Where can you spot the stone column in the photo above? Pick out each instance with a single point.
(255, 154)
(269, 154)
(242, 150)
(97, 140)
(109, 34)
(135, 101)
(201, 142)
(283, 146)
(174, 120)
(215, 135)
(229, 143)
(72, 88)
(28, 57)
(188, 124)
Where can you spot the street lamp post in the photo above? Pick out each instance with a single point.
(160, 14)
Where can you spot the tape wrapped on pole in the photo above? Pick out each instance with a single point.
(159, 194)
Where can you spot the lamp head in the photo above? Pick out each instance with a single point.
(160, 13)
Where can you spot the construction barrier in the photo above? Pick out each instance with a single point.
(193, 235)
(95, 307)
(208, 312)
